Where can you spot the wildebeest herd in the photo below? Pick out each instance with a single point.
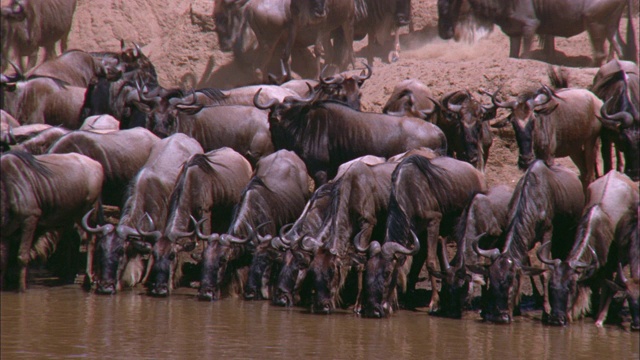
(289, 192)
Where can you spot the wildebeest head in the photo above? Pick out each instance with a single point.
(503, 283)
(448, 14)
(112, 250)
(294, 271)
(229, 19)
(466, 115)
(263, 268)
(528, 108)
(627, 127)
(166, 105)
(164, 249)
(344, 88)
(564, 285)
(281, 112)
(219, 249)
(381, 275)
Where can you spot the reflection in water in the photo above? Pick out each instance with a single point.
(65, 321)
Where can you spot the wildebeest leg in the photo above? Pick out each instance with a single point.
(433, 231)
(50, 51)
(395, 53)
(4, 261)
(91, 244)
(514, 46)
(549, 47)
(597, 36)
(26, 240)
(586, 162)
(357, 308)
(286, 53)
(605, 151)
(64, 40)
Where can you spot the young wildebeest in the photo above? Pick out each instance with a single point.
(39, 194)
(485, 218)
(583, 272)
(427, 196)
(546, 205)
(358, 203)
(208, 187)
(549, 125)
(117, 256)
(121, 153)
(627, 241)
(274, 197)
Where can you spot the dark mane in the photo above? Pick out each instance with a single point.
(627, 229)
(600, 227)
(199, 160)
(30, 161)
(437, 180)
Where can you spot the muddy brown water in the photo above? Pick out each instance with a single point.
(65, 322)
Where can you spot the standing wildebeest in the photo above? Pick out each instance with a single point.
(121, 153)
(546, 205)
(118, 261)
(275, 196)
(44, 100)
(377, 19)
(358, 204)
(77, 68)
(427, 196)
(627, 240)
(551, 124)
(30, 24)
(485, 218)
(522, 19)
(208, 187)
(242, 128)
(326, 134)
(463, 119)
(617, 83)
(583, 271)
(42, 193)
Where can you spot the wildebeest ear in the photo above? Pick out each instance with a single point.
(478, 269)
(546, 110)
(532, 271)
(613, 286)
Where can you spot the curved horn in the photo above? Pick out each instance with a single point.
(544, 90)
(283, 230)
(374, 248)
(330, 80)
(236, 240)
(124, 231)
(445, 257)
(16, 77)
(543, 258)
(254, 232)
(278, 244)
(576, 264)
(315, 244)
(256, 101)
(365, 74)
(391, 248)
(154, 234)
(501, 104)
(620, 119)
(136, 50)
(356, 243)
(493, 106)
(198, 229)
(621, 273)
(491, 254)
(87, 227)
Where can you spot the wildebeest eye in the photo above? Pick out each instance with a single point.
(172, 256)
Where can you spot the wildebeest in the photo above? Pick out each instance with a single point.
(242, 128)
(77, 68)
(426, 198)
(208, 187)
(40, 142)
(121, 153)
(627, 241)
(485, 218)
(358, 204)
(275, 196)
(552, 124)
(377, 19)
(522, 19)
(44, 100)
(546, 206)
(100, 124)
(39, 194)
(31, 24)
(328, 133)
(118, 261)
(583, 272)
(410, 97)
(463, 119)
(617, 84)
